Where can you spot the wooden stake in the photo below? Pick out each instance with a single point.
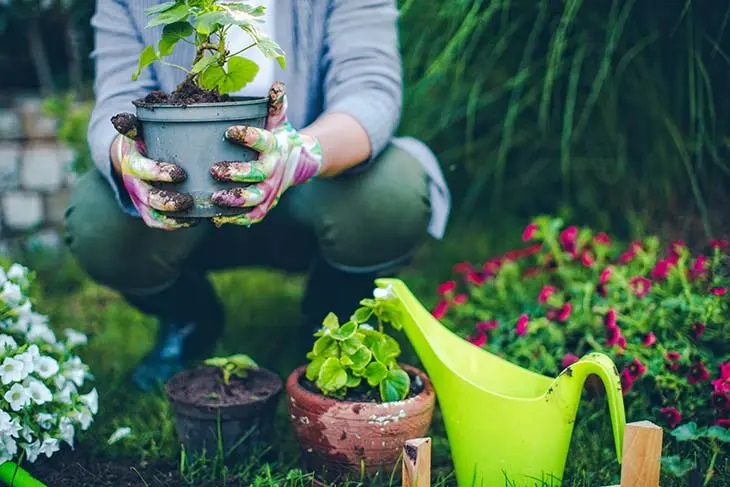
(642, 451)
(417, 463)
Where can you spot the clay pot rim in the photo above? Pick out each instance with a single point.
(293, 386)
(222, 407)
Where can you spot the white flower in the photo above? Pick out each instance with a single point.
(49, 446)
(18, 397)
(91, 399)
(18, 274)
(41, 332)
(39, 392)
(67, 430)
(9, 446)
(3, 276)
(64, 393)
(44, 420)
(12, 370)
(74, 370)
(46, 367)
(74, 338)
(120, 433)
(29, 358)
(8, 426)
(32, 450)
(7, 343)
(83, 416)
(11, 294)
(27, 433)
(384, 293)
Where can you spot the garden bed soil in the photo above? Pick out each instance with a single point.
(188, 93)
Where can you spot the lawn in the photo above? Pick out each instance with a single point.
(262, 325)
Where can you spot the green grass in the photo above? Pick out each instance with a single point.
(262, 307)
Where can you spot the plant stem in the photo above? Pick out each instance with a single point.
(244, 49)
(711, 467)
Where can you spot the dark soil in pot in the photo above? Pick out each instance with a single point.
(187, 127)
(340, 438)
(242, 412)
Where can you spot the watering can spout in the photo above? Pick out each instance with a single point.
(569, 386)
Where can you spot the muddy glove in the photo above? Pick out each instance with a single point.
(287, 158)
(138, 172)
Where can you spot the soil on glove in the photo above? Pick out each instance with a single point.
(188, 93)
(204, 387)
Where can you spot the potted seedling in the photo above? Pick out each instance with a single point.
(186, 126)
(353, 405)
(226, 406)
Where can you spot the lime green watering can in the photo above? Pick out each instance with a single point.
(505, 424)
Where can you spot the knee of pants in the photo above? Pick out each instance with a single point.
(375, 220)
(116, 249)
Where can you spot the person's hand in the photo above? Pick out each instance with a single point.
(287, 158)
(137, 171)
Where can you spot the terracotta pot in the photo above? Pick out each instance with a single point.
(245, 422)
(340, 439)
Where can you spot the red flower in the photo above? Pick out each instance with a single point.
(626, 381)
(484, 326)
(672, 416)
(475, 277)
(587, 258)
(629, 255)
(613, 336)
(718, 244)
(568, 238)
(491, 267)
(521, 327)
(697, 373)
(545, 293)
(722, 384)
(609, 319)
(661, 270)
(531, 271)
(649, 339)
(697, 330)
(440, 310)
(636, 369)
(479, 340)
(699, 267)
(673, 358)
(460, 299)
(640, 285)
(621, 342)
(446, 288)
(675, 249)
(529, 232)
(601, 239)
(463, 267)
(605, 275)
(725, 423)
(568, 360)
(721, 401)
(718, 291)
(565, 311)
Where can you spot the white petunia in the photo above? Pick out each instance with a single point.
(39, 392)
(18, 273)
(119, 434)
(11, 294)
(9, 446)
(8, 426)
(12, 370)
(32, 450)
(27, 433)
(64, 393)
(74, 338)
(40, 332)
(83, 417)
(7, 343)
(29, 358)
(49, 446)
(91, 399)
(67, 430)
(18, 397)
(384, 293)
(45, 420)
(46, 367)
(3, 276)
(74, 370)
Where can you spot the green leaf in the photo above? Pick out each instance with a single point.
(210, 22)
(314, 367)
(160, 8)
(346, 331)
(170, 16)
(353, 381)
(360, 358)
(385, 349)
(332, 376)
(351, 345)
(216, 362)
(346, 361)
(362, 315)
(204, 62)
(687, 432)
(395, 386)
(147, 57)
(678, 466)
(331, 322)
(171, 34)
(325, 347)
(719, 433)
(375, 373)
(241, 360)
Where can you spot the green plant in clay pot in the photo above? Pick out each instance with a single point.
(225, 407)
(186, 127)
(353, 405)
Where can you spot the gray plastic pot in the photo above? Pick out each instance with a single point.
(193, 136)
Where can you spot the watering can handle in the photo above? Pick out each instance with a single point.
(602, 366)
(13, 475)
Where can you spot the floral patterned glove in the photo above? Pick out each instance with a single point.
(287, 158)
(138, 171)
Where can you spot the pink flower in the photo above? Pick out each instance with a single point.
(475, 277)
(491, 267)
(484, 326)
(697, 373)
(673, 359)
(626, 381)
(568, 360)
(529, 232)
(445, 288)
(661, 270)
(699, 266)
(609, 319)
(568, 238)
(629, 255)
(545, 293)
(649, 339)
(613, 336)
(605, 275)
(565, 311)
(640, 285)
(636, 368)
(722, 384)
(697, 330)
(718, 244)
(725, 423)
(521, 327)
(479, 340)
(672, 416)
(463, 267)
(587, 258)
(718, 291)
(621, 342)
(460, 299)
(601, 239)
(440, 310)
(675, 249)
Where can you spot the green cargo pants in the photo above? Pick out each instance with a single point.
(342, 230)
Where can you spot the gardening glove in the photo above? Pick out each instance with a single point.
(287, 158)
(138, 172)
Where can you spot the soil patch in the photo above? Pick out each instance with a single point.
(364, 393)
(204, 387)
(188, 93)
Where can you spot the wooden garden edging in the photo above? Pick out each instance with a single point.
(642, 451)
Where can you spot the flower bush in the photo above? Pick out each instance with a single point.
(661, 313)
(41, 379)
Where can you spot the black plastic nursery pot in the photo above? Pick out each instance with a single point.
(210, 417)
(193, 137)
